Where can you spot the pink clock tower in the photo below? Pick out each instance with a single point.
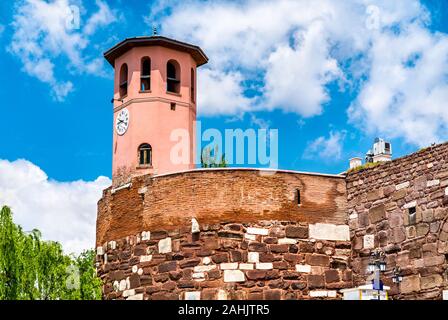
(154, 105)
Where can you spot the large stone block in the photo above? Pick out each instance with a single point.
(369, 241)
(234, 276)
(410, 284)
(300, 232)
(431, 281)
(377, 214)
(323, 231)
(318, 260)
(304, 268)
(258, 231)
(316, 281)
(165, 245)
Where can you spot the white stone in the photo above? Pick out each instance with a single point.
(264, 266)
(353, 216)
(112, 245)
(318, 293)
(146, 235)
(304, 268)
(165, 245)
(134, 269)
(146, 258)
(229, 266)
(142, 190)
(136, 297)
(206, 260)
(259, 231)
(116, 285)
(222, 295)
(251, 237)
(446, 191)
(332, 293)
(198, 275)
(253, 257)
(287, 241)
(105, 258)
(234, 276)
(204, 268)
(445, 294)
(127, 293)
(122, 285)
(430, 165)
(195, 226)
(369, 241)
(99, 250)
(324, 231)
(432, 183)
(192, 295)
(402, 185)
(410, 205)
(246, 266)
(140, 271)
(128, 283)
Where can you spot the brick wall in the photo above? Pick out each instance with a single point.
(264, 260)
(381, 202)
(215, 196)
(255, 240)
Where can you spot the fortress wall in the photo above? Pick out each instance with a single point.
(169, 202)
(265, 260)
(379, 201)
(254, 240)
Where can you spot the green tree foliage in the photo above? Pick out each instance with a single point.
(31, 268)
(210, 161)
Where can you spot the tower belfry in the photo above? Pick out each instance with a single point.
(154, 104)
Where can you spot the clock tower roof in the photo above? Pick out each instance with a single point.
(155, 40)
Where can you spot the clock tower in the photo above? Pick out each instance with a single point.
(154, 106)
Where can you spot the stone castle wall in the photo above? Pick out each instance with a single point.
(255, 240)
(169, 201)
(264, 260)
(381, 204)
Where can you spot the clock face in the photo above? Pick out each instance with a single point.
(122, 121)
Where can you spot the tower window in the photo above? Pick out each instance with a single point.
(145, 75)
(173, 106)
(412, 215)
(145, 154)
(123, 80)
(173, 76)
(192, 85)
(299, 200)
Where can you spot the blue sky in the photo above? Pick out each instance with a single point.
(329, 75)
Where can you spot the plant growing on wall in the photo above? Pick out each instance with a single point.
(209, 160)
(31, 268)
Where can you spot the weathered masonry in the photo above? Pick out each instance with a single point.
(401, 207)
(250, 234)
(255, 235)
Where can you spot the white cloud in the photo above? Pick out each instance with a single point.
(46, 31)
(102, 17)
(62, 211)
(223, 95)
(296, 77)
(326, 148)
(294, 49)
(407, 90)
